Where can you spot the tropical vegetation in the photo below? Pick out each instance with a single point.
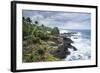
(38, 41)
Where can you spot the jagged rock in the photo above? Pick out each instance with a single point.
(67, 40)
(62, 51)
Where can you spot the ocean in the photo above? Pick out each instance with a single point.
(82, 41)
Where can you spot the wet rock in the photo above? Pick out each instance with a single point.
(62, 51)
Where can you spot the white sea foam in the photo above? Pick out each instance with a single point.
(64, 31)
(83, 49)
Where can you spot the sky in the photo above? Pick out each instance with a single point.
(62, 20)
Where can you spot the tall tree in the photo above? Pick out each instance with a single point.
(28, 20)
(23, 18)
(36, 22)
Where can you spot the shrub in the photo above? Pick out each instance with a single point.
(55, 31)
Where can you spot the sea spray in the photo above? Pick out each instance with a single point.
(83, 46)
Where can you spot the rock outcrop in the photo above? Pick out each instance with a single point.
(62, 51)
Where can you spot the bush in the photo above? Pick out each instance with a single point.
(51, 58)
(55, 31)
(38, 41)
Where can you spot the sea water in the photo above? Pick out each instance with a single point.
(82, 41)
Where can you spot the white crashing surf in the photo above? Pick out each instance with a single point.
(83, 49)
(64, 31)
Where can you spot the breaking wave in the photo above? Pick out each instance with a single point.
(83, 46)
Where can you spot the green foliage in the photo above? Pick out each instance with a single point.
(33, 39)
(41, 51)
(27, 27)
(51, 58)
(36, 22)
(39, 36)
(28, 20)
(55, 31)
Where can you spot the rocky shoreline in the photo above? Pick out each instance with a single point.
(42, 43)
(62, 51)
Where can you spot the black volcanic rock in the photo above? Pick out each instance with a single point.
(62, 51)
(67, 40)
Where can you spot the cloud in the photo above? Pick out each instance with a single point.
(63, 20)
(75, 25)
(37, 17)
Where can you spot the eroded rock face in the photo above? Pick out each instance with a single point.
(62, 51)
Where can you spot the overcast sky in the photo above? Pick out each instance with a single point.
(62, 20)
